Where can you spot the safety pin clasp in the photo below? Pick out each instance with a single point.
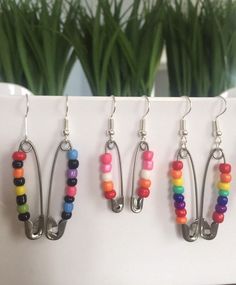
(208, 231)
(190, 232)
(54, 230)
(136, 204)
(117, 205)
(34, 230)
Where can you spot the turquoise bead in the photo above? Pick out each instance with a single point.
(72, 154)
(224, 193)
(68, 207)
(178, 189)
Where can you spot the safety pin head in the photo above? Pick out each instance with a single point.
(54, 230)
(117, 205)
(191, 232)
(34, 230)
(208, 231)
(136, 204)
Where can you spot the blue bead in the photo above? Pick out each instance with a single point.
(178, 197)
(222, 200)
(72, 154)
(68, 207)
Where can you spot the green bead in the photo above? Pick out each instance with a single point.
(178, 189)
(21, 209)
(224, 193)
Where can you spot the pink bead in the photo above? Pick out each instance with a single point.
(71, 191)
(148, 155)
(105, 168)
(147, 164)
(106, 158)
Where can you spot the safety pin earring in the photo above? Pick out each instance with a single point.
(189, 232)
(33, 230)
(208, 231)
(117, 204)
(54, 230)
(144, 183)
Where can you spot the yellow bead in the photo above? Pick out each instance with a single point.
(178, 182)
(223, 186)
(20, 190)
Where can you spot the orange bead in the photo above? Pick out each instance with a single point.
(181, 220)
(176, 174)
(18, 172)
(144, 183)
(107, 186)
(225, 178)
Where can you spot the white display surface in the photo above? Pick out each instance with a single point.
(99, 246)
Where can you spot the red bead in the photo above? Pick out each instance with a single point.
(180, 212)
(218, 217)
(110, 195)
(143, 192)
(106, 158)
(177, 165)
(225, 168)
(19, 155)
(148, 155)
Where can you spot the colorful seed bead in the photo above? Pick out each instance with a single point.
(181, 220)
(21, 209)
(17, 164)
(106, 176)
(178, 197)
(180, 205)
(18, 172)
(220, 209)
(180, 212)
(222, 200)
(148, 155)
(24, 217)
(107, 186)
(178, 189)
(225, 178)
(144, 183)
(72, 173)
(143, 192)
(224, 193)
(22, 199)
(71, 189)
(106, 158)
(20, 190)
(176, 174)
(178, 182)
(218, 217)
(72, 154)
(223, 186)
(147, 164)
(110, 195)
(145, 174)
(19, 155)
(225, 168)
(19, 181)
(177, 165)
(105, 168)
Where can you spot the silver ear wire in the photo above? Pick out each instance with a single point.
(142, 131)
(26, 116)
(216, 128)
(111, 131)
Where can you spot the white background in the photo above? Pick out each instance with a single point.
(99, 246)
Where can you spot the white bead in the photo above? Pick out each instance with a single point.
(106, 176)
(145, 174)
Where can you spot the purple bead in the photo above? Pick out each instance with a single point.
(178, 197)
(180, 205)
(72, 173)
(220, 209)
(222, 200)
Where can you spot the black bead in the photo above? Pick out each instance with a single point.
(66, 216)
(69, 199)
(71, 181)
(20, 200)
(19, 181)
(17, 164)
(73, 163)
(24, 217)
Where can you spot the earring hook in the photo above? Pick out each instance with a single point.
(148, 107)
(190, 106)
(113, 106)
(225, 107)
(66, 131)
(26, 116)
